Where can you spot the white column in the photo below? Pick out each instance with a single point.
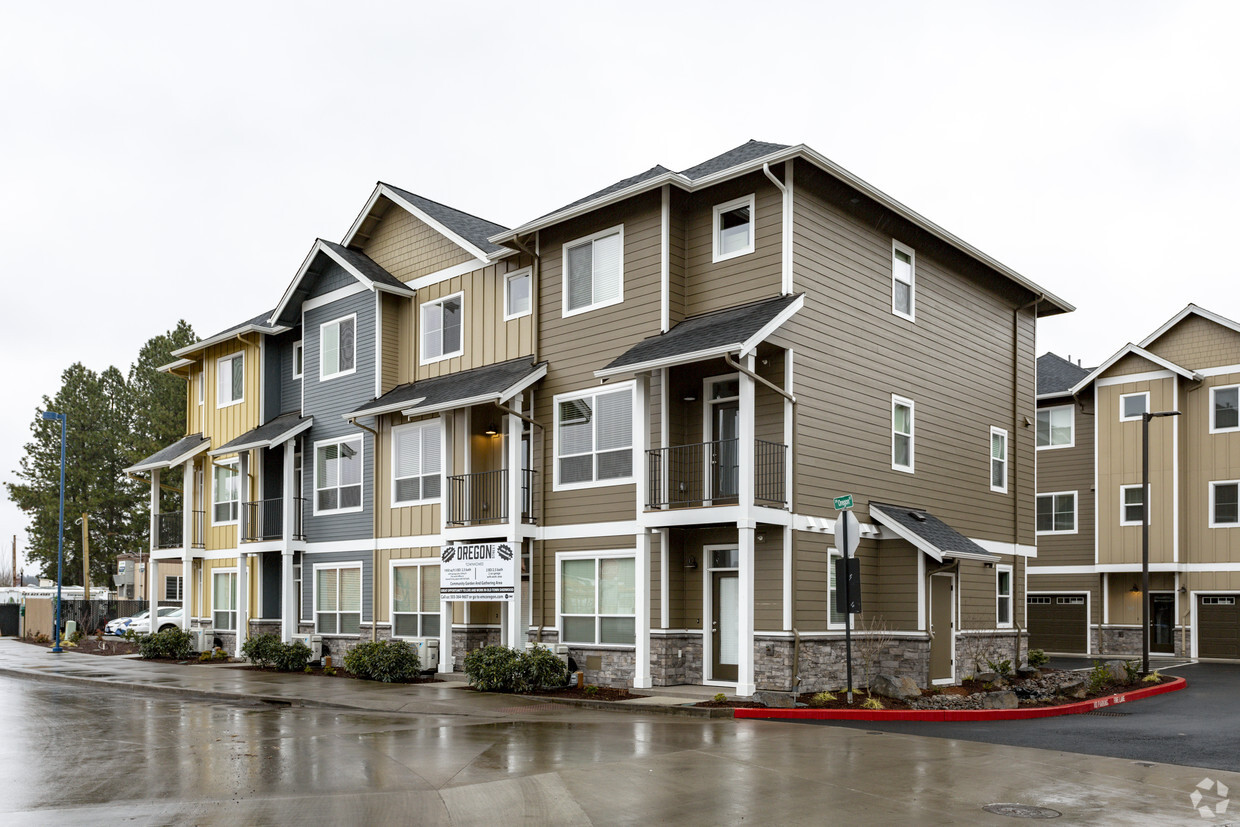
(641, 607)
(745, 536)
(152, 597)
(153, 594)
(187, 541)
(243, 492)
(288, 609)
(445, 636)
(515, 630)
(243, 599)
(154, 511)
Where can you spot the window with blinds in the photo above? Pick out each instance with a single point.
(416, 463)
(415, 600)
(598, 600)
(338, 600)
(594, 271)
(337, 347)
(224, 600)
(903, 280)
(230, 380)
(338, 475)
(441, 328)
(225, 493)
(901, 434)
(594, 438)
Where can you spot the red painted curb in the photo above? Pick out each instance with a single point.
(960, 714)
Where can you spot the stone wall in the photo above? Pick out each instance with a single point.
(1125, 641)
(676, 659)
(605, 667)
(467, 640)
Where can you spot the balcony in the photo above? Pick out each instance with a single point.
(264, 520)
(708, 474)
(482, 499)
(168, 532)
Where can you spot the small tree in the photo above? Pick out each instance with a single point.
(872, 642)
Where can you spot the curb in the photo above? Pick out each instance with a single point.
(961, 714)
(687, 710)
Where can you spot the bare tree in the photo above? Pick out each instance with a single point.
(7, 576)
(872, 642)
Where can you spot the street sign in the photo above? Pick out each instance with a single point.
(482, 571)
(847, 533)
(848, 585)
(843, 503)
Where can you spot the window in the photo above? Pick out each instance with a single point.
(299, 367)
(1070, 601)
(337, 345)
(230, 376)
(903, 279)
(1133, 405)
(200, 379)
(517, 294)
(598, 600)
(1224, 504)
(416, 463)
(415, 600)
(998, 460)
(1055, 427)
(593, 271)
(1057, 513)
(1218, 601)
(835, 618)
(901, 434)
(1003, 595)
(224, 600)
(594, 438)
(441, 328)
(172, 587)
(338, 600)
(1038, 601)
(1132, 505)
(734, 234)
(225, 492)
(1225, 409)
(338, 475)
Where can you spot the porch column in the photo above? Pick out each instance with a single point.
(516, 628)
(187, 540)
(445, 636)
(243, 598)
(153, 593)
(243, 496)
(745, 536)
(641, 601)
(154, 511)
(288, 611)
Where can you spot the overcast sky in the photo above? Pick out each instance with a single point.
(168, 160)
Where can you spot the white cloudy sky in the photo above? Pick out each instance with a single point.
(166, 160)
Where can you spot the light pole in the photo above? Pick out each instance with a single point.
(1145, 535)
(60, 544)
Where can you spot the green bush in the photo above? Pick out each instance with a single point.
(292, 657)
(1037, 658)
(261, 650)
(390, 661)
(170, 643)
(500, 669)
(1002, 668)
(540, 667)
(1099, 677)
(1132, 668)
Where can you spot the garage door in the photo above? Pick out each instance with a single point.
(1218, 627)
(1058, 623)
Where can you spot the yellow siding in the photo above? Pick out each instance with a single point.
(225, 424)
(1123, 604)
(404, 521)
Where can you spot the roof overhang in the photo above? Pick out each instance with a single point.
(228, 335)
(961, 547)
(1134, 350)
(263, 437)
(382, 190)
(787, 154)
(174, 455)
(173, 367)
(1191, 310)
(410, 407)
(319, 247)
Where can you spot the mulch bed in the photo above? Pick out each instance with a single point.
(594, 693)
(337, 672)
(90, 646)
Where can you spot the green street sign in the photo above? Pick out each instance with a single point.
(843, 503)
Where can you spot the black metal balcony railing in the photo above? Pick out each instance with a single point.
(264, 519)
(708, 474)
(482, 498)
(168, 530)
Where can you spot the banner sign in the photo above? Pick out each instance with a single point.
(480, 571)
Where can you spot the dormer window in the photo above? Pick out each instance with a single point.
(733, 229)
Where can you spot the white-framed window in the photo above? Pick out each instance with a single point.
(200, 379)
(835, 618)
(1131, 504)
(1133, 405)
(224, 600)
(1070, 601)
(903, 280)
(1003, 596)
(1225, 504)
(415, 598)
(594, 438)
(1038, 601)
(1056, 513)
(598, 598)
(518, 294)
(902, 434)
(338, 347)
(338, 475)
(225, 492)
(442, 321)
(734, 228)
(230, 380)
(338, 599)
(593, 271)
(417, 463)
(998, 459)
(1224, 409)
(1056, 427)
(172, 587)
(299, 360)
(1218, 601)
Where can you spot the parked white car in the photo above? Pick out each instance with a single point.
(117, 627)
(169, 617)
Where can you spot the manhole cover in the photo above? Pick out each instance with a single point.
(1022, 811)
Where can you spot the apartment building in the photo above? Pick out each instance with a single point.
(1085, 585)
(647, 399)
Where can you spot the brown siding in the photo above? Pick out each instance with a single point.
(892, 586)
(390, 323)
(809, 582)
(676, 256)
(1206, 457)
(408, 248)
(978, 594)
(403, 521)
(543, 581)
(1124, 605)
(1197, 343)
(1132, 363)
(1070, 469)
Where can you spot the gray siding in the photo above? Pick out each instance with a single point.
(331, 277)
(281, 392)
(311, 559)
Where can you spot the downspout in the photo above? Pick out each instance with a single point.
(374, 533)
(786, 229)
(1015, 467)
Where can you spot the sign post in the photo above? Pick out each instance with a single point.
(848, 570)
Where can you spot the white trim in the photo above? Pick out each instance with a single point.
(665, 264)
(955, 622)
(236, 463)
(1050, 426)
(1213, 391)
(315, 249)
(750, 344)
(1213, 484)
(240, 354)
(617, 528)
(1076, 502)
(437, 424)
(452, 272)
(1097, 499)
(638, 420)
(1194, 598)
(1137, 418)
(323, 375)
(527, 272)
(361, 587)
(239, 611)
(382, 189)
(409, 407)
(896, 399)
(1175, 475)
(200, 379)
(315, 302)
(789, 219)
(378, 345)
(596, 555)
(1144, 506)
(1000, 568)
(1120, 354)
(565, 312)
(1191, 309)
(423, 359)
(409, 562)
(314, 477)
(1221, 370)
(897, 247)
(922, 588)
(299, 347)
(719, 209)
(278, 439)
(999, 489)
(1131, 378)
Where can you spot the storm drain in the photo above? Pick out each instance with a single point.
(1102, 713)
(1022, 811)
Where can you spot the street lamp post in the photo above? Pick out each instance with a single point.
(60, 543)
(1145, 535)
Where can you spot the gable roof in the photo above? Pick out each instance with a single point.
(1191, 310)
(174, 454)
(489, 383)
(1135, 350)
(258, 324)
(656, 171)
(736, 156)
(270, 434)
(469, 232)
(1057, 375)
(354, 262)
(928, 533)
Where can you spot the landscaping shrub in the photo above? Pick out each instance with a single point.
(540, 667)
(292, 657)
(1002, 668)
(1099, 677)
(1037, 658)
(170, 643)
(500, 669)
(383, 660)
(261, 650)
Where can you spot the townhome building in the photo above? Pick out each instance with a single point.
(647, 401)
(1085, 587)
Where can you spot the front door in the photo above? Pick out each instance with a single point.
(724, 605)
(1162, 623)
(725, 466)
(942, 628)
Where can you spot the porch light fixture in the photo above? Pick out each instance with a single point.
(689, 397)
(1145, 535)
(691, 562)
(1135, 589)
(491, 432)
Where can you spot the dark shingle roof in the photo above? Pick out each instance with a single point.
(733, 157)
(365, 265)
(272, 433)
(188, 446)
(653, 172)
(932, 534)
(473, 229)
(1058, 375)
(719, 329)
(443, 390)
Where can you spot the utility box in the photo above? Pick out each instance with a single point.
(312, 642)
(428, 652)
